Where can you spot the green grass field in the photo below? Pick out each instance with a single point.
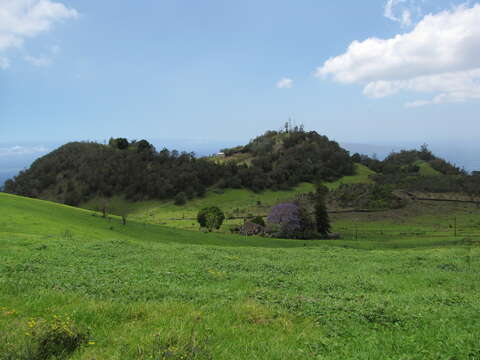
(144, 291)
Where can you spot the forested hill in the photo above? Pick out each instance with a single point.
(282, 159)
(79, 171)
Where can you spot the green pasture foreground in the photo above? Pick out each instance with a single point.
(150, 292)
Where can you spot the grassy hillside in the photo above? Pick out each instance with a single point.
(234, 202)
(150, 292)
(362, 175)
(426, 169)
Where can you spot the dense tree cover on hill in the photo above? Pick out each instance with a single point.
(282, 159)
(79, 171)
(366, 196)
(467, 184)
(405, 162)
(404, 170)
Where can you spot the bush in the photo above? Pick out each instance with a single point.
(180, 199)
(59, 337)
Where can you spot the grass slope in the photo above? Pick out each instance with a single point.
(426, 169)
(149, 292)
(234, 202)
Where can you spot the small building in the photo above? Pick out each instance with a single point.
(250, 228)
(220, 154)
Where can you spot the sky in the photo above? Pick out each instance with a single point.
(368, 72)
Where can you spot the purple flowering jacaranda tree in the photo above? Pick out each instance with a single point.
(287, 216)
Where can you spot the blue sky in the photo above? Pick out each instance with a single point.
(229, 70)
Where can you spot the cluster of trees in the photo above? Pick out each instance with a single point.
(467, 184)
(293, 220)
(366, 196)
(296, 220)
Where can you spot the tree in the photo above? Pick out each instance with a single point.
(144, 146)
(287, 216)
(471, 186)
(307, 223)
(322, 219)
(104, 208)
(357, 158)
(119, 143)
(210, 218)
(121, 208)
(321, 190)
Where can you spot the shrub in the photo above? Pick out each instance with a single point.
(58, 338)
(180, 199)
(258, 220)
(53, 339)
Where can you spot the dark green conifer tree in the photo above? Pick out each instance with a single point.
(322, 219)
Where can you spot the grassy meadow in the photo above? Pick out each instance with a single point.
(234, 202)
(77, 286)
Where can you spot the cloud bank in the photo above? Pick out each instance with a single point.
(440, 55)
(21, 150)
(23, 19)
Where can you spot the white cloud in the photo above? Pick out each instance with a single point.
(22, 19)
(405, 18)
(440, 55)
(285, 83)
